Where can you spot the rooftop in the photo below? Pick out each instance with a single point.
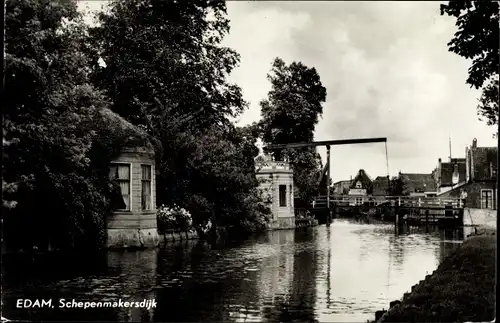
(419, 182)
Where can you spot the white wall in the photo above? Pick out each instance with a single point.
(482, 217)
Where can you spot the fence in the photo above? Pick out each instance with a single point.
(400, 201)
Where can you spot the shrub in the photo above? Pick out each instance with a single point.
(173, 218)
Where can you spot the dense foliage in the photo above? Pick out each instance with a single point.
(58, 134)
(397, 187)
(477, 38)
(289, 115)
(166, 71)
(163, 84)
(48, 118)
(165, 68)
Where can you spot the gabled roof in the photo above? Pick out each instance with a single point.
(365, 180)
(418, 182)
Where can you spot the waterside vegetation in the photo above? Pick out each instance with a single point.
(462, 289)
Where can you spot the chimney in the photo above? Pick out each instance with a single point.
(474, 143)
(439, 160)
(467, 164)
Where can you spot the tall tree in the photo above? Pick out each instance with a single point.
(477, 38)
(397, 187)
(222, 172)
(48, 123)
(166, 71)
(165, 63)
(290, 114)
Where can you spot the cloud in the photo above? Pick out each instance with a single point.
(259, 36)
(386, 68)
(387, 71)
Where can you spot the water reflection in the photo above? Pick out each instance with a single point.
(303, 298)
(395, 252)
(449, 241)
(136, 283)
(341, 273)
(291, 295)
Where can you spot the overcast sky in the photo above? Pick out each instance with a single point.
(387, 71)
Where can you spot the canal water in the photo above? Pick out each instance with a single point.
(341, 273)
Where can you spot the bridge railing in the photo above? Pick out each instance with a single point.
(403, 201)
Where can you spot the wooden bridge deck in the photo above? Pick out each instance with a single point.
(410, 209)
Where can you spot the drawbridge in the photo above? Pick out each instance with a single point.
(324, 202)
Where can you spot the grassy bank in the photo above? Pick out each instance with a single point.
(461, 289)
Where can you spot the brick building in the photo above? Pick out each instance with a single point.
(480, 177)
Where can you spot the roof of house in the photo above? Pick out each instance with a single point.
(447, 171)
(365, 180)
(485, 162)
(380, 186)
(418, 182)
(129, 134)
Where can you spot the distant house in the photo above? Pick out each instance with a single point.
(361, 185)
(449, 174)
(342, 187)
(381, 186)
(480, 177)
(418, 184)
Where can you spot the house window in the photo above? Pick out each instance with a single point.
(493, 171)
(120, 173)
(282, 189)
(146, 187)
(487, 199)
(358, 184)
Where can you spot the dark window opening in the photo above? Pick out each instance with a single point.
(282, 189)
(146, 187)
